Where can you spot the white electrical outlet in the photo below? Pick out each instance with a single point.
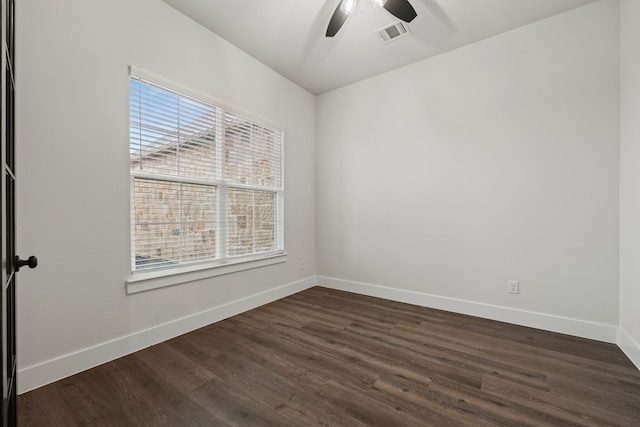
(513, 287)
(301, 264)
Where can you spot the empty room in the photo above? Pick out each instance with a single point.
(321, 212)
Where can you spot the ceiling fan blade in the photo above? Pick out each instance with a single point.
(337, 21)
(401, 9)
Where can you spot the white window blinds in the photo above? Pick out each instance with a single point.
(206, 182)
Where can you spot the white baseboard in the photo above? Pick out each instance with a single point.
(630, 346)
(548, 322)
(35, 376)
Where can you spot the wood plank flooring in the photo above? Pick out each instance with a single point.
(325, 357)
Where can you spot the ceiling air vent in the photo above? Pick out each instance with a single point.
(393, 32)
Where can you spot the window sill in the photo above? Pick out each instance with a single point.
(147, 280)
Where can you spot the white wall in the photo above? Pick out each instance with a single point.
(629, 339)
(440, 181)
(73, 184)
(496, 161)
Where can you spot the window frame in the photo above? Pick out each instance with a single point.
(156, 277)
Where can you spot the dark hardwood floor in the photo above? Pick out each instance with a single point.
(325, 357)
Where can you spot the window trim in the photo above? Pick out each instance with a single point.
(143, 280)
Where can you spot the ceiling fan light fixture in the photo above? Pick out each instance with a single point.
(401, 9)
(348, 6)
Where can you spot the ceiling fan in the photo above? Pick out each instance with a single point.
(401, 9)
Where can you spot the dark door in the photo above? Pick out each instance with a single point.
(7, 200)
(10, 262)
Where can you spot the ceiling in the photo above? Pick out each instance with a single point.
(288, 35)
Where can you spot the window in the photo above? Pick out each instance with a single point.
(206, 182)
